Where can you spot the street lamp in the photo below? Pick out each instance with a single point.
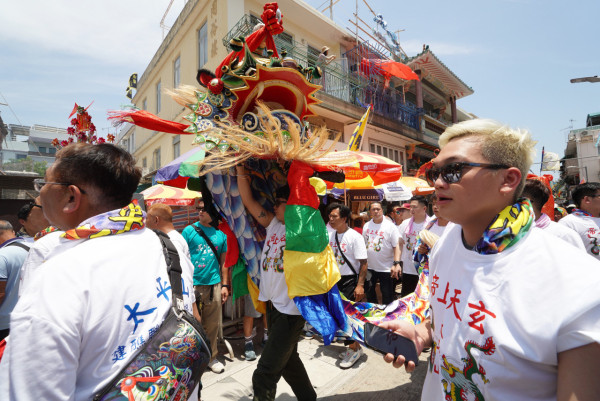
(593, 79)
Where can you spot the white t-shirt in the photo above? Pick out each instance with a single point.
(86, 311)
(565, 233)
(588, 229)
(273, 286)
(408, 235)
(380, 240)
(179, 242)
(497, 321)
(353, 246)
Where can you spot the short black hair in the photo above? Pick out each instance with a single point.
(421, 199)
(583, 190)
(344, 210)
(282, 192)
(107, 167)
(537, 192)
(23, 213)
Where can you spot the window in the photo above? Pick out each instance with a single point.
(43, 149)
(52, 151)
(177, 72)
(156, 159)
(145, 104)
(202, 45)
(158, 97)
(131, 148)
(144, 163)
(21, 157)
(312, 55)
(387, 151)
(284, 41)
(176, 146)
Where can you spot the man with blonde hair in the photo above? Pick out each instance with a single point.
(160, 217)
(498, 329)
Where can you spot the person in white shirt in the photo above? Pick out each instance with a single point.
(409, 230)
(92, 306)
(510, 319)
(401, 213)
(280, 356)
(585, 219)
(538, 193)
(160, 217)
(351, 256)
(383, 254)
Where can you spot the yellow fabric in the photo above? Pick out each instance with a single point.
(260, 306)
(319, 185)
(310, 273)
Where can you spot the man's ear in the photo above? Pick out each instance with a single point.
(511, 180)
(74, 199)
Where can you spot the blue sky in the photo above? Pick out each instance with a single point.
(517, 55)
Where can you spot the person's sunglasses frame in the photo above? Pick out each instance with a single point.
(452, 173)
(39, 183)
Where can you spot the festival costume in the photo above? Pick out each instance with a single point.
(563, 232)
(207, 277)
(587, 227)
(89, 308)
(488, 348)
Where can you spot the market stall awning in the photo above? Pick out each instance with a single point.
(171, 196)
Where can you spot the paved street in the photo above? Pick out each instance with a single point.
(370, 379)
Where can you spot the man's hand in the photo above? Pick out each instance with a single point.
(396, 271)
(359, 293)
(419, 334)
(224, 294)
(423, 249)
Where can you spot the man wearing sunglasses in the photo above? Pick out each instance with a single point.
(498, 329)
(32, 218)
(208, 247)
(585, 219)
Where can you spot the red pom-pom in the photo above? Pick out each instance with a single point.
(215, 86)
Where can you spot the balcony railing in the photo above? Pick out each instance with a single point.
(339, 78)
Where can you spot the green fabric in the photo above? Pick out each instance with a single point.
(304, 229)
(239, 279)
(188, 169)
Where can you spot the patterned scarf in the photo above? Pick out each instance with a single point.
(581, 213)
(44, 232)
(543, 221)
(118, 221)
(511, 224)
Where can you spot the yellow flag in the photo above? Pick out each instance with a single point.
(357, 135)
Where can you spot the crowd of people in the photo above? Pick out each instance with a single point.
(515, 310)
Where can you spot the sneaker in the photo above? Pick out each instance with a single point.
(216, 366)
(249, 352)
(344, 354)
(351, 359)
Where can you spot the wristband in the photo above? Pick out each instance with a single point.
(397, 262)
(225, 286)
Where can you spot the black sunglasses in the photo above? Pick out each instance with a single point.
(33, 204)
(201, 209)
(451, 173)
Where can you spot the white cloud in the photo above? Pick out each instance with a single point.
(116, 32)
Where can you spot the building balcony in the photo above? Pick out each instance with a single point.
(339, 79)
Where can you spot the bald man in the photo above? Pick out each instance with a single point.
(160, 217)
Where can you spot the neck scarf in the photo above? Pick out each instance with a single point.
(543, 221)
(581, 213)
(118, 221)
(44, 232)
(511, 224)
